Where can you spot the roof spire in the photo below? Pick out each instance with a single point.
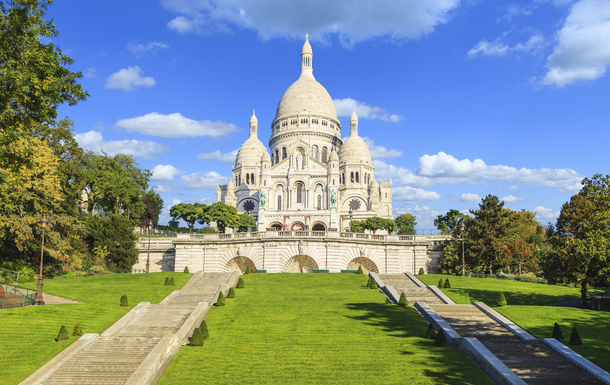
(306, 57)
(353, 122)
(253, 124)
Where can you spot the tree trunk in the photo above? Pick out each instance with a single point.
(583, 296)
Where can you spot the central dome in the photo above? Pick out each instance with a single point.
(306, 94)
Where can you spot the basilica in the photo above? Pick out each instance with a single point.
(311, 179)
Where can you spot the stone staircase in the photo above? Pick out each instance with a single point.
(133, 349)
(414, 293)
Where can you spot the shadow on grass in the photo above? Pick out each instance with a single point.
(443, 365)
(490, 297)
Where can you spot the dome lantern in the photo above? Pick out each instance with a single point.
(353, 122)
(306, 57)
(253, 124)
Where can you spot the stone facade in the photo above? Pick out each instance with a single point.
(311, 179)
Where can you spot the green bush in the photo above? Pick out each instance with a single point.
(373, 284)
(171, 281)
(231, 293)
(431, 333)
(440, 340)
(447, 284)
(403, 300)
(421, 271)
(204, 330)
(441, 283)
(197, 338)
(557, 334)
(63, 334)
(166, 281)
(360, 270)
(368, 283)
(124, 302)
(78, 331)
(221, 300)
(501, 300)
(186, 270)
(248, 270)
(240, 283)
(577, 285)
(575, 337)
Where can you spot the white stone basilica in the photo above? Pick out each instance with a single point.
(312, 180)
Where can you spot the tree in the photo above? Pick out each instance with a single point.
(153, 204)
(581, 248)
(406, 224)
(357, 226)
(450, 221)
(114, 232)
(390, 226)
(488, 232)
(527, 241)
(223, 214)
(375, 223)
(188, 212)
(246, 222)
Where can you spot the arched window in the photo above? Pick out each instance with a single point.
(324, 154)
(319, 202)
(284, 153)
(315, 152)
(352, 177)
(357, 179)
(277, 156)
(252, 179)
(239, 180)
(299, 193)
(279, 202)
(247, 178)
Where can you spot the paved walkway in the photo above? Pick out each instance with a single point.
(133, 349)
(533, 361)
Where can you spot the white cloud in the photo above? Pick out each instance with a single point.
(546, 213)
(165, 188)
(469, 197)
(164, 173)
(497, 48)
(90, 73)
(582, 52)
(514, 10)
(352, 20)
(140, 49)
(512, 199)
(228, 157)
(175, 202)
(378, 152)
(204, 180)
(346, 106)
(445, 169)
(413, 195)
(175, 126)
(129, 78)
(94, 141)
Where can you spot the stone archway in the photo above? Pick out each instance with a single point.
(276, 226)
(297, 226)
(300, 264)
(367, 265)
(240, 264)
(318, 226)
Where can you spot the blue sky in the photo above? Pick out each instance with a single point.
(457, 99)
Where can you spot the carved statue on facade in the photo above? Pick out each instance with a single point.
(262, 199)
(300, 245)
(333, 198)
(362, 252)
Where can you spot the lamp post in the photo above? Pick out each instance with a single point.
(463, 227)
(249, 211)
(39, 299)
(148, 257)
(350, 219)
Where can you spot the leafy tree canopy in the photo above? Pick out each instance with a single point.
(153, 204)
(406, 224)
(450, 221)
(189, 213)
(115, 234)
(224, 216)
(246, 222)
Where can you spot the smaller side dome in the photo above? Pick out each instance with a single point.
(252, 150)
(333, 156)
(266, 158)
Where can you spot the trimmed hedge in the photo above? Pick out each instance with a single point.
(240, 283)
(248, 270)
(421, 271)
(124, 301)
(186, 269)
(203, 326)
(63, 334)
(441, 283)
(440, 340)
(197, 338)
(557, 334)
(575, 337)
(431, 333)
(447, 284)
(78, 331)
(501, 300)
(221, 300)
(403, 300)
(166, 281)
(231, 293)
(360, 270)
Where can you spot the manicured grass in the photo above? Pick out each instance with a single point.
(317, 328)
(537, 320)
(466, 290)
(28, 334)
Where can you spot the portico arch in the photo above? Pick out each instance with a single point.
(297, 226)
(300, 264)
(276, 226)
(240, 264)
(367, 265)
(318, 226)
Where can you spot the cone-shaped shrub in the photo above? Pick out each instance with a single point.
(501, 300)
(221, 300)
(197, 338)
(166, 281)
(440, 340)
(171, 281)
(240, 283)
(403, 300)
(63, 334)
(557, 334)
(231, 293)
(204, 330)
(447, 284)
(186, 270)
(368, 283)
(441, 283)
(360, 270)
(78, 331)
(575, 337)
(248, 270)
(373, 284)
(124, 302)
(421, 271)
(431, 333)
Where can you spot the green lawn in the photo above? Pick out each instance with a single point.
(28, 334)
(317, 328)
(522, 298)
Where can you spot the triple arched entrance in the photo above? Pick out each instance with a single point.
(240, 264)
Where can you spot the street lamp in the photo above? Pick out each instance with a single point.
(350, 219)
(463, 227)
(39, 299)
(249, 211)
(148, 257)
